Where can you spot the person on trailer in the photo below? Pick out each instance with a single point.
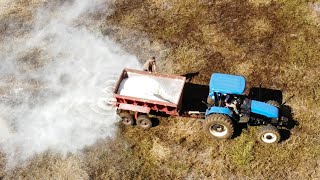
(150, 65)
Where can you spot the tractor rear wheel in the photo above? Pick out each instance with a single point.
(219, 126)
(268, 135)
(127, 119)
(144, 122)
(273, 103)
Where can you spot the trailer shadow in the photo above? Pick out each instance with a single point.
(155, 121)
(193, 97)
(156, 117)
(190, 76)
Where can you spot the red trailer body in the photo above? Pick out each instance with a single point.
(171, 84)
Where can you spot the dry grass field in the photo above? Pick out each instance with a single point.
(276, 43)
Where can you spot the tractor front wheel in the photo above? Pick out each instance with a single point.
(268, 135)
(219, 126)
(127, 119)
(144, 122)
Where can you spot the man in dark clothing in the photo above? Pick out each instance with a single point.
(232, 103)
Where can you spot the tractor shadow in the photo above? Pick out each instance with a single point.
(238, 128)
(286, 131)
(265, 94)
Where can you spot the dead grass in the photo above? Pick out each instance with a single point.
(275, 43)
(16, 18)
(242, 152)
(258, 3)
(19, 9)
(261, 28)
(50, 166)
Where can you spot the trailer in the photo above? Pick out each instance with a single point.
(139, 94)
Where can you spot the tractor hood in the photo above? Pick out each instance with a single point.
(264, 109)
(227, 84)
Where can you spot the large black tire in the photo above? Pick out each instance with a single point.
(219, 126)
(127, 119)
(273, 103)
(268, 135)
(144, 122)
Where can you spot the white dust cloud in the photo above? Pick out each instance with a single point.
(53, 82)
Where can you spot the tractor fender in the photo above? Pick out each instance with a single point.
(218, 110)
(264, 109)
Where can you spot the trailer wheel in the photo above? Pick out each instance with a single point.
(268, 135)
(219, 126)
(273, 103)
(144, 122)
(127, 119)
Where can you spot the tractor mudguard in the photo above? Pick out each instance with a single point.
(264, 109)
(218, 110)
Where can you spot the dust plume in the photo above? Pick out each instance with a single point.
(53, 80)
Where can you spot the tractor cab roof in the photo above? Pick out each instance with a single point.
(227, 84)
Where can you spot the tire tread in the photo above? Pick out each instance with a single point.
(219, 118)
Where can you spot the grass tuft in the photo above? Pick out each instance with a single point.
(242, 153)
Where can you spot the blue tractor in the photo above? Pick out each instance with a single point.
(228, 106)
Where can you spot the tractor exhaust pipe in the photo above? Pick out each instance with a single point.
(260, 92)
(287, 100)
